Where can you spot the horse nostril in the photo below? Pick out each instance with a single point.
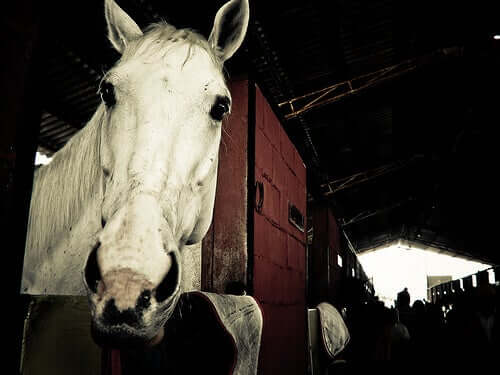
(112, 316)
(103, 222)
(144, 300)
(169, 283)
(92, 271)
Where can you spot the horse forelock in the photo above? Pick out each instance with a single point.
(62, 188)
(159, 39)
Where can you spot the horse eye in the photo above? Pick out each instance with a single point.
(220, 108)
(107, 92)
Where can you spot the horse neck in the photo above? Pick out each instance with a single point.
(63, 188)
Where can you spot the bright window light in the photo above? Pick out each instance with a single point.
(496, 37)
(352, 272)
(394, 268)
(42, 159)
(474, 281)
(461, 283)
(491, 276)
(339, 260)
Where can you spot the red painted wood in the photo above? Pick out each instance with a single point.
(224, 248)
(263, 155)
(279, 252)
(279, 248)
(324, 271)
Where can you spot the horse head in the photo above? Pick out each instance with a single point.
(163, 106)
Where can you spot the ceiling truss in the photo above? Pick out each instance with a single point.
(334, 186)
(331, 94)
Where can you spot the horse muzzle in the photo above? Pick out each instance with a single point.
(126, 309)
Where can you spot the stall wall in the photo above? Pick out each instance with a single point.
(224, 248)
(272, 260)
(279, 263)
(325, 271)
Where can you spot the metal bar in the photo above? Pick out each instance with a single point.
(56, 130)
(348, 82)
(54, 121)
(45, 133)
(87, 91)
(83, 101)
(66, 132)
(62, 131)
(375, 81)
(46, 115)
(320, 97)
(349, 243)
(358, 178)
(369, 213)
(60, 144)
(84, 110)
(65, 93)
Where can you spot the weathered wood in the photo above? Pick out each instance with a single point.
(20, 114)
(279, 252)
(225, 245)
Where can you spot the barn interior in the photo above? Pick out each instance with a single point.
(392, 106)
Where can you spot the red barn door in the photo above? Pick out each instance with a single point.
(279, 251)
(269, 255)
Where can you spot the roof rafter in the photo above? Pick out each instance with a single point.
(331, 94)
(334, 186)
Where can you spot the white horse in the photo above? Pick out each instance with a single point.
(119, 203)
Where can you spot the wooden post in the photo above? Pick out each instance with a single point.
(20, 118)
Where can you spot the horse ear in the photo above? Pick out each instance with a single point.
(121, 27)
(230, 27)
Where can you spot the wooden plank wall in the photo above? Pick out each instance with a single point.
(325, 274)
(279, 269)
(273, 261)
(224, 248)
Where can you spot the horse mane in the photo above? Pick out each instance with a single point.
(62, 187)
